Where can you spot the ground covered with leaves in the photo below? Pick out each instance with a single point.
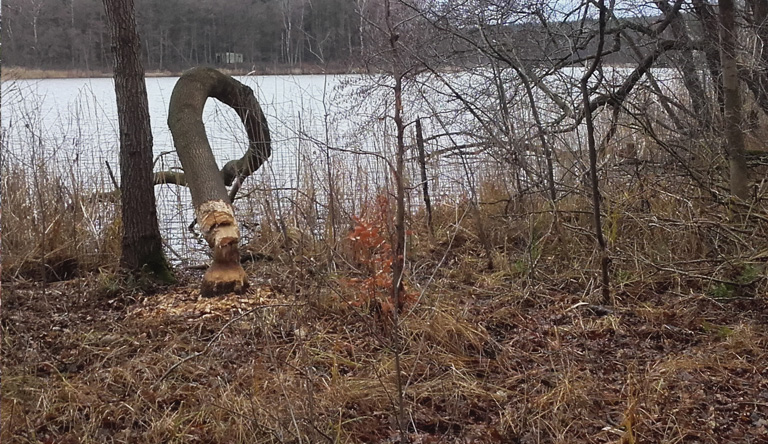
(484, 358)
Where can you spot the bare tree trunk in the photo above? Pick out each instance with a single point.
(142, 244)
(732, 113)
(36, 6)
(287, 32)
(360, 26)
(759, 77)
(542, 138)
(710, 27)
(424, 178)
(213, 207)
(160, 63)
(699, 104)
(72, 50)
(594, 184)
(102, 51)
(398, 250)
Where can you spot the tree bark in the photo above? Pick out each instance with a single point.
(696, 92)
(207, 185)
(424, 178)
(758, 78)
(709, 26)
(141, 242)
(594, 181)
(732, 112)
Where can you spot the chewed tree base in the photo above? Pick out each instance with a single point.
(224, 279)
(225, 275)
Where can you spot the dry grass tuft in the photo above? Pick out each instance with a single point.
(52, 228)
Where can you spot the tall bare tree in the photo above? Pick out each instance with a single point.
(142, 244)
(594, 183)
(734, 137)
(398, 252)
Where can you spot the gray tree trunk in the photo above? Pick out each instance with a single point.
(142, 244)
(732, 112)
(710, 26)
(758, 78)
(696, 92)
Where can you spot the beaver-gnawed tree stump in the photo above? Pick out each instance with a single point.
(207, 184)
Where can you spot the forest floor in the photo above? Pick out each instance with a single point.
(483, 360)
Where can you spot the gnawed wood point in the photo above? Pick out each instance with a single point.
(220, 229)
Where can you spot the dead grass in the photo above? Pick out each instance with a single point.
(513, 353)
(62, 246)
(19, 73)
(492, 359)
(53, 228)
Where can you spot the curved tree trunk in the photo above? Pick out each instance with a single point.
(206, 183)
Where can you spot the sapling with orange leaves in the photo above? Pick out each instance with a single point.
(373, 250)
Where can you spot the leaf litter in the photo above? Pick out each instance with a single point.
(299, 362)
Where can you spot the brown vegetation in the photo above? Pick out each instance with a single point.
(53, 229)
(487, 356)
(20, 73)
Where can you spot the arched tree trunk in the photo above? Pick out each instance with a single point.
(206, 183)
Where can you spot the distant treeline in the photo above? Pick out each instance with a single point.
(264, 35)
(177, 34)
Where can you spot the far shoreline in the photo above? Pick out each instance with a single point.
(22, 73)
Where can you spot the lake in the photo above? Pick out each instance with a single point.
(79, 117)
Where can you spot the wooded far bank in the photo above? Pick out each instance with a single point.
(178, 34)
(266, 37)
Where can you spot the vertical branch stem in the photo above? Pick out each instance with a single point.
(398, 252)
(424, 179)
(594, 184)
(542, 136)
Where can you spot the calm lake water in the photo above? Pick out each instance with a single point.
(76, 119)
